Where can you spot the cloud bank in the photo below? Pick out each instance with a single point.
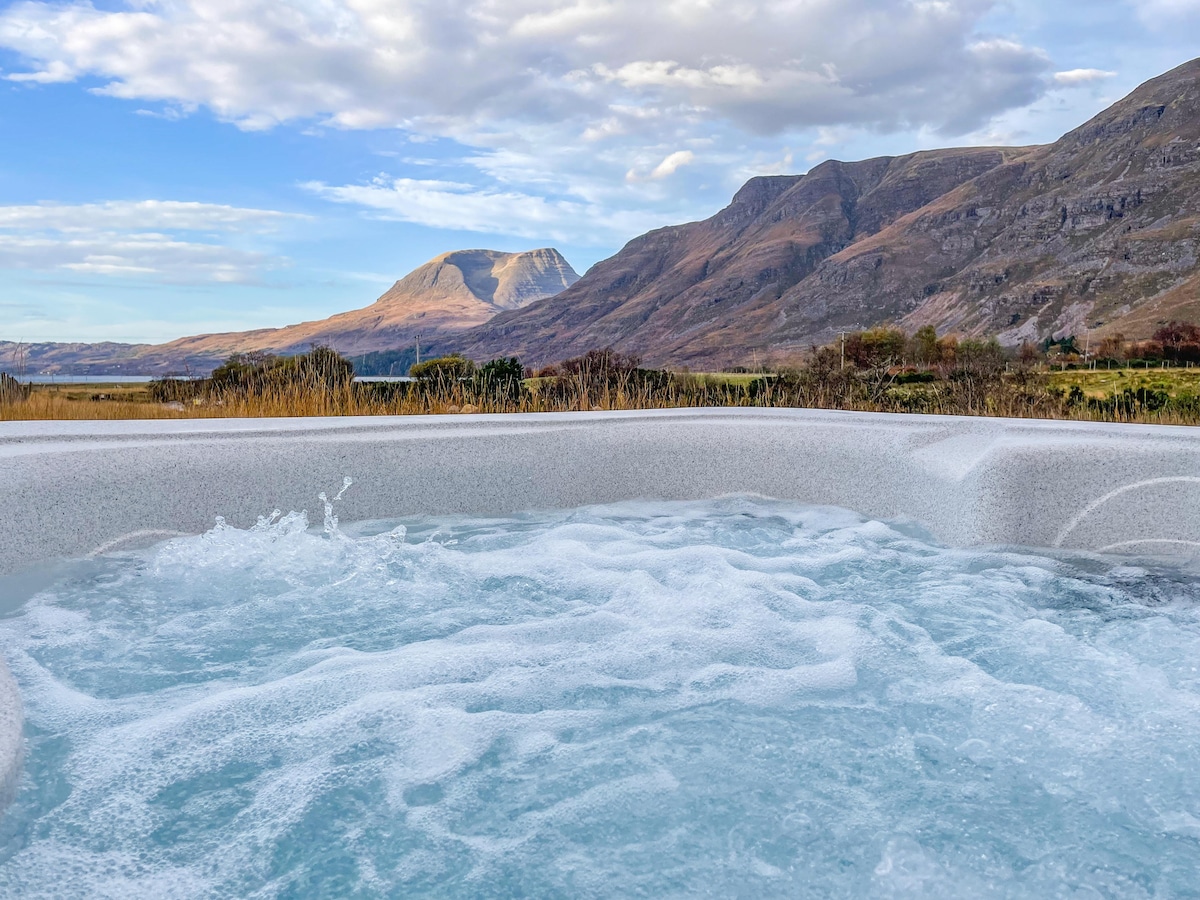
(565, 108)
(168, 241)
(463, 64)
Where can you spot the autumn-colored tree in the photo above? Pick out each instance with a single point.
(1175, 333)
(1113, 347)
(876, 347)
(925, 349)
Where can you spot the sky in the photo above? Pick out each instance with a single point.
(173, 167)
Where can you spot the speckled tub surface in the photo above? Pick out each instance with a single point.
(73, 487)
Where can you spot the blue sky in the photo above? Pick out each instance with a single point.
(170, 167)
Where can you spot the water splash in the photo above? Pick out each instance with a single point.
(331, 520)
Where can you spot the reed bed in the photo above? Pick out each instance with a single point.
(1027, 396)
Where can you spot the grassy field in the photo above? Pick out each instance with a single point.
(1100, 383)
(89, 401)
(736, 379)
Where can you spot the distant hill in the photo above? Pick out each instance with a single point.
(1099, 231)
(449, 293)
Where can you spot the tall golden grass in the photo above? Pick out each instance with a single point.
(1009, 398)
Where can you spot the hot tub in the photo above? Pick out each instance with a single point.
(789, 618)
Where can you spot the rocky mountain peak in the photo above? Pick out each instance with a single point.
(498, 280)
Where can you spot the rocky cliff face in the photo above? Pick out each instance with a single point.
(1098, 231)
(452, 292)
(667, 292)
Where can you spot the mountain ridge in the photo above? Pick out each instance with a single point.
(1098, 231)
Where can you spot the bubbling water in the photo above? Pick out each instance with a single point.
(736, 698)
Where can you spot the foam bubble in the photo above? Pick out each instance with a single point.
(732, 697)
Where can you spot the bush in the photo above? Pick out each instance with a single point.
(501, 379)
(1186, 404)
(444, 370)
(321, 370)
(600, 369)
(175, 390)
(242, 373)
(921, 376)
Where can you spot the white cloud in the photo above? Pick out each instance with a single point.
(1164, 13)
(1076, 77)
(461, 67)
(140, 239)
(463, 207)
(148, 215)
(668, 73)
(555, 101)
(673, 163)
(665, 169)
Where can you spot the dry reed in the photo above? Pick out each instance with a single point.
(1004, 397)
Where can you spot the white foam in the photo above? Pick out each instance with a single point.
(668, 698)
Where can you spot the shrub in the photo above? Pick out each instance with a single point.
(321, 370)
(599, 369)
(605, 366)
(501, 379)
(876, 347)
(443, 370)
(920, 376)
(242, 373)
(175, 390)
(1186, 404)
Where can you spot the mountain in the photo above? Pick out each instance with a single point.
(449, 293)
(1099, 231)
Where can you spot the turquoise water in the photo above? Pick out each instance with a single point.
(739, 698)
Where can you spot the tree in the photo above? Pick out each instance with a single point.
(1112, 347)
(925, 349)
(1029, 354)
(1175, 333)
(876, 347)
(1180, 341)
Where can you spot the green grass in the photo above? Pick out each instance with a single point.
(735, 379)
(1101, 383)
